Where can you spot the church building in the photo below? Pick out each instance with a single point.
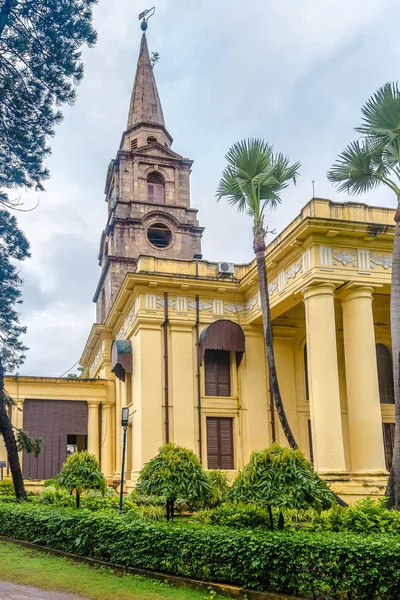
(179, 340)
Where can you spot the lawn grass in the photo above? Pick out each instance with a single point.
(31, 567)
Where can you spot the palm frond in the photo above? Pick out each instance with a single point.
(381, 114)
(255, 176)
(357, 169)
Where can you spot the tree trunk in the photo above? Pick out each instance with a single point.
(78, 499)
(5, 13)
(393, 489)
(259, 249)
(6, 430)
(271, 519)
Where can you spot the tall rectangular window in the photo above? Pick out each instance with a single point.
(220, 443)
(388, 443)
(217, 370)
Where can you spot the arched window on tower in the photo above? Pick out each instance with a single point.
(155, 188)
(152, 139)
(385, 374)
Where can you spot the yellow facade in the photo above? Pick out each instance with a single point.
(329, 285)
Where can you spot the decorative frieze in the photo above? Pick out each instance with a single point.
(96, 363)
(306, 260)
(293, 270)
(344, 257)
(325, 256)
(151, 302)
(244, 308)
(384, 261)
(124, 330)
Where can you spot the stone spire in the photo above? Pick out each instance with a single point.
(145, 106)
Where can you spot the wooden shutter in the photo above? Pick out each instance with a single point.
(53, 421)
(220, 443)
(158, 193)
(310, 444)
(217, 371)
(385, 374)
(150, 192)
(388, 443)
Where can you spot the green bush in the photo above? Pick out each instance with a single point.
(175, 472)
(144, 500)
(282, 478)
(81, 472)
(219, 485)
(365, 516)
(152, 513)
(50, 482)
(6, 487)
(8, 499)
(322, 566)
(235, 515)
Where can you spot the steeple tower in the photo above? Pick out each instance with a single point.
(147, 192)
(145, 106)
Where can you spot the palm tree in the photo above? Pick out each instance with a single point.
(252, 181)
(367, 163)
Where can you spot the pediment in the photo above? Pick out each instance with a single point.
(158, 150)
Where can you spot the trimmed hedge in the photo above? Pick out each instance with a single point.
(329, 566)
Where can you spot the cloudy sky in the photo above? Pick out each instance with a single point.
(294, 72)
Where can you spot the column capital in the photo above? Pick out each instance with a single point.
(93, 403)
(320, 289)
(353, 291)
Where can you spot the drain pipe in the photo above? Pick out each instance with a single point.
(198, 377)
(166, 367)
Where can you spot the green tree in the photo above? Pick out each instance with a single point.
(253, 181)
(13, 247)
(40, 65)
(364, 165)
(175, 472)
(81, 472)
(282, 478)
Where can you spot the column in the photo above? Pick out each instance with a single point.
(183, 392)
(20, 414)
(93, 428)
(283, 340)
(325, 411)
(107, 462)
(365, 421)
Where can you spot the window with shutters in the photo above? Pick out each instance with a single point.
(217, 373)
(388, 443)
(155, 188)
(385, 374)
(220, 443)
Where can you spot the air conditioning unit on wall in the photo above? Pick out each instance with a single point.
(225, 268)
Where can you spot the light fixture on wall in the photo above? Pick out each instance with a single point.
(124, 423)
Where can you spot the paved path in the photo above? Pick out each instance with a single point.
(10, 591)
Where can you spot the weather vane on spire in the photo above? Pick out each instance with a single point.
(145, 16)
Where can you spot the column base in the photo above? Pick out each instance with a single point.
(356, 488)
(330, 476)
(369, 474)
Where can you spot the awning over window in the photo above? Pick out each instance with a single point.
(223, 335)
(121, 358)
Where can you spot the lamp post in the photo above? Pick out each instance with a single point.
(124, 423)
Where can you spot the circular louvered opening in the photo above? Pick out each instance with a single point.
(159, 235)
